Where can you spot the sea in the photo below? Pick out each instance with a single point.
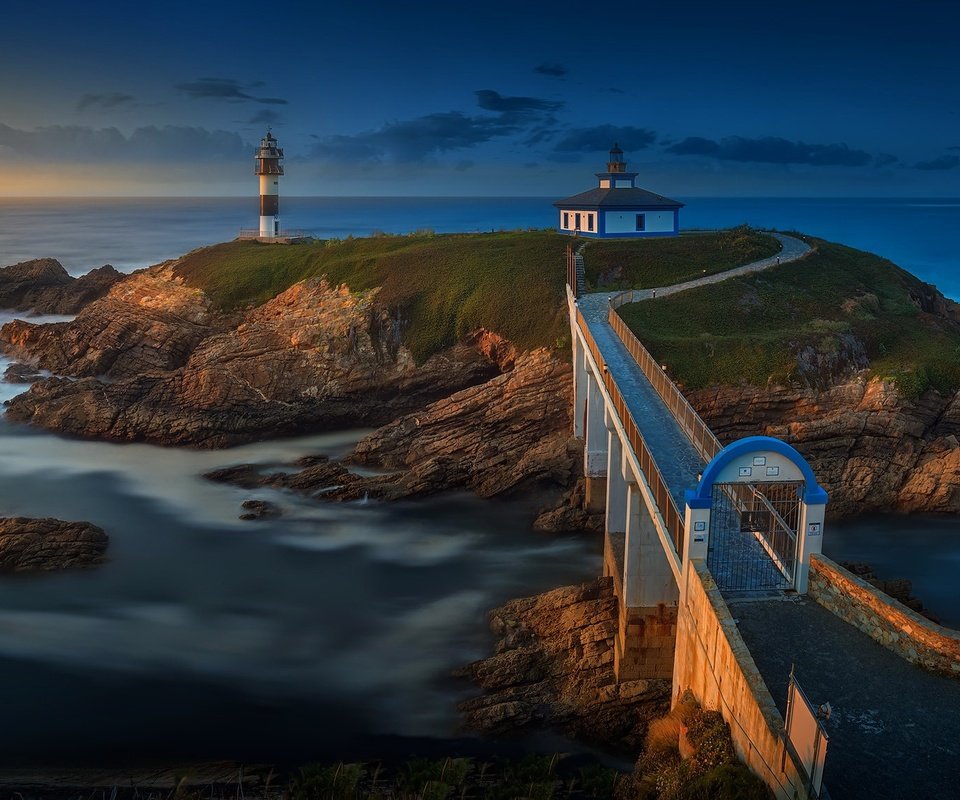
(331, 632)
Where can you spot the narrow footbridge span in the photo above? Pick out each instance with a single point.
(692, 528)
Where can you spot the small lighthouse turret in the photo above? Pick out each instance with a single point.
(616, 162)
(269, 167)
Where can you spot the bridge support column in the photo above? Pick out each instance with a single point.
(595, 449)
(616, 519)
(579, 385)
(647, 632)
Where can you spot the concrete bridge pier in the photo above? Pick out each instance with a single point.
(596, 444)
(579, 387)
(648, 609)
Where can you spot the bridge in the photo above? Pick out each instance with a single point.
(715, 556)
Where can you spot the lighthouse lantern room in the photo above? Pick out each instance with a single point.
(269, 167)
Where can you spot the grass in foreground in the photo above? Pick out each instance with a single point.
(819, 315)
(647, 263)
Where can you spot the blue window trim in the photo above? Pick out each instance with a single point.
(702, 496)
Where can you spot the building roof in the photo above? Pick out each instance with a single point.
(619, 198)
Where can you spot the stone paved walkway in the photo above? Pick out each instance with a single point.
(894, 729)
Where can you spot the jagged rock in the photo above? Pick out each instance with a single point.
(508, 434)
(568, 514)
(45, 287)
(259, 509)
(553, 667)
(158, 364)
(34, 545)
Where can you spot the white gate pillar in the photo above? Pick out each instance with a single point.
(810, 536)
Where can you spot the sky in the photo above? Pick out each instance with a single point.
(491, 98)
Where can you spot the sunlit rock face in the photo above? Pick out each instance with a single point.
(871, 448)
(156, 363)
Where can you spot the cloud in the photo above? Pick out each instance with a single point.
(553, 70)
(942, 162)
(225, 89)
(885, 160)
(602, 138)
(490, 100)
(264, 116)
(954, 147)
(105, 101)
(60, 144)
(415, 139)
(771, 150)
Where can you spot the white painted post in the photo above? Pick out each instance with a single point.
(810, 541)
(696, 536)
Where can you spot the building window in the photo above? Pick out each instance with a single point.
(566, 220)
(641, 222)
(576, 221)
(589, 222)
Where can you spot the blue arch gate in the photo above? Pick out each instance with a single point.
(753, 539)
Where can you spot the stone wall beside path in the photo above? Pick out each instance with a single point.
(898, 628)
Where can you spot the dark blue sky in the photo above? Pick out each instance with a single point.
(486, 98)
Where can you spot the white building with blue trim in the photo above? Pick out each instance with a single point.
(618, 208)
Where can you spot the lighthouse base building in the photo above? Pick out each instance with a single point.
(618, 208)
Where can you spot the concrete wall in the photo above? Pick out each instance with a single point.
(626, 221)
(713, 661)
(898, 628)
(584, 223)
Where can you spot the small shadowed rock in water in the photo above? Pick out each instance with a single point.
(37, 545)
(20, 373)
(260, 509)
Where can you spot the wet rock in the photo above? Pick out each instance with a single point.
(159, 364)
(45, 287)
(553, 667)
(259, 509)
(35, 545)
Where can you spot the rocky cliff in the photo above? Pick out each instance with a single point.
(870, 447)
(153, 361)
(45, 287)
(553, 667)
(40, 545)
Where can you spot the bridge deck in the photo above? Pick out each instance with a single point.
(676, 457)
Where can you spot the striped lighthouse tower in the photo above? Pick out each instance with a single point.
(269, 168)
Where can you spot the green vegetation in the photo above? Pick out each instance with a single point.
(647, 263)
(534, 777)
(806, 322)
(443, 286)
(711, 770)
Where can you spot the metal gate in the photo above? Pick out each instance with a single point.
(753, 535)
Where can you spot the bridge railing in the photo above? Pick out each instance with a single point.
(696, 430)
(672, 518)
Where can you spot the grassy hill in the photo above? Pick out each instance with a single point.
(445, 286)
(448, 285)
(838, 305)
(645, 264)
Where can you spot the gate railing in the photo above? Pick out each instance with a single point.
(672, 518)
